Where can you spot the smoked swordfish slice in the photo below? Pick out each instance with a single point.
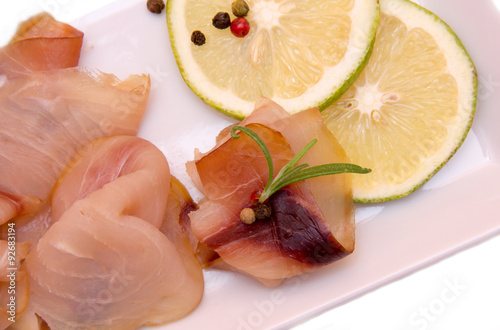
(49, 109)
(312, 221)
(47, 117)
(41, 43)
(105, 263)
(179, 205)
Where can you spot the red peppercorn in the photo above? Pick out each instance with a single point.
(255, 195)
(240, 27)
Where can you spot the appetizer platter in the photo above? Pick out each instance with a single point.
(396, 232)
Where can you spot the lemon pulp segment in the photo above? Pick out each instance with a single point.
(301, 54)
(412, 106)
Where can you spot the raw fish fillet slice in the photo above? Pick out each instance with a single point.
(12, 205)
(105, 264)
(312, 222)
(332, 193)
(177, 226)
(49, 109)
(41, 43)
(47, 117)
(130, 161)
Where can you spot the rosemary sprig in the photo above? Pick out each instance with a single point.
(292, 172)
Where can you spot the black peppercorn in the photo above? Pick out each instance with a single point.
(221, 20)
(263, 211)
(155, 6)
(198, 38)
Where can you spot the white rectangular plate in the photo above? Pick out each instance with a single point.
(456, 208)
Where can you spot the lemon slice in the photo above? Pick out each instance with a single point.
(301, 54)
(412, 106)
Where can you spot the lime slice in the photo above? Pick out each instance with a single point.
(411, 108)
(301, 54)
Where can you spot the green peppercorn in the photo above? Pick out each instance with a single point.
(240, 8)
(198, 38)
(221, 20)
(247, 216)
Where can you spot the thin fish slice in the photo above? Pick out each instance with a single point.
(50, 109)
(105, 264)
(41, 43)
(312, 223)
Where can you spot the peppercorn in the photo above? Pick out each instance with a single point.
(155, 6)
(221, 20)
(240, 8)
(247, 216)
(198, 38)
(240, 27)
(263, 211)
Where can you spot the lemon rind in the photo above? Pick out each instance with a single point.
(467, 108)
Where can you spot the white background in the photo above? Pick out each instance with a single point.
(460, 292)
